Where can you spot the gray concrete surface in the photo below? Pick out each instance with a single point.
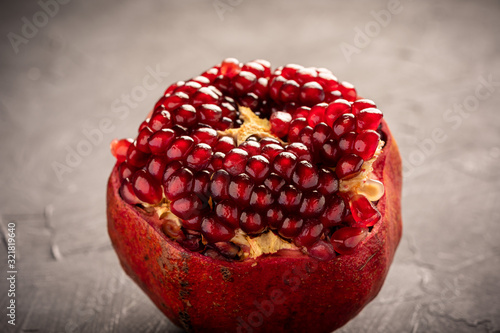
(432, 66)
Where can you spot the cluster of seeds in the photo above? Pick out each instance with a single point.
(184, 158)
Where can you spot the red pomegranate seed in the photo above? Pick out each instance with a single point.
(180, 130)
(187, 206)
(321, 133)
(312, 93)
(284, 164)
(219, 185)
(291, 226)
(300, 150)
(127, 193)
(201, 183)
(173, 87)
(205, 135)
(251, 147)
(290, 198)
(156, 167)
(330, 153)
(344, 124)
(305, 137)
(317, 114)
(327, 79)
(290, 70)
(257, 168)
(224, 124)
(363, 211)
(348, 166)
(185, 115)
(290, 91)
(345, 240)
(275, 217)
(261, 198)
(189, 88)
(160, 120)
(203, 80)
(328, 182)
(228, 213)
(335, 110)
(275, 87)
(170, 169)
(310, 233)
(225, 144)
(267, 141)
(119, 149)
(230, 67)
(280, 123)
(214, 231)
(304, 75)
(175, 100)
(146, 188)
(301, 112)
(305, 176)
(125, 171)
(322, 250)
(261, 88)
(193, 223)
(295, 127)
(199, 157)
(368, 119)
(334, 211)
(211, 74)
(160, 141)
(271, 150)
(362, 104)
(274, 183)
(235, 161)
(240, 189)
(348, 91)
(252, 222)
(216, 162)
(244, 81)
(180, 183)
(135, 157)
(209, 113)
(180, 147)
(366, 144)
(346, 142)
(267, 66)
(312, 205)
(254, 67)
(204, 96)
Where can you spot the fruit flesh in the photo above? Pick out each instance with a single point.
(204, 294)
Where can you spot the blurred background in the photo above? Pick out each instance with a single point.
(76, 74)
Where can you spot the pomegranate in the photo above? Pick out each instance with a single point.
(255, 200)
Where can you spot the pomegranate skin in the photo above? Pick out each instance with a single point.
(287, 293)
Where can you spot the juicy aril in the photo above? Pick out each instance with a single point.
(254, 200)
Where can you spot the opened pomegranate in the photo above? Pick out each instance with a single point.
(255, 200)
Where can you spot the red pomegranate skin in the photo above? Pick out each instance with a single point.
(267, 294)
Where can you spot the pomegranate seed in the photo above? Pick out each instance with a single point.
(189, 88)
(322, 250)
(267, 66)
(173, 87)
(216, 162)
(289, 92)
(362, 104)
(199, 157)
(187, 206)
(211, 74)
(125, 170)
(210, 113)
(175, 100)
(251, 147)
(244, 81)
(204, 95)
(348, 91)
(290, 70)
(310, 233)
(328, 182)
(321, 133)
(348, 166)
(225, 144)
(327, 80)
(305, 137)
(135, 157)
(119, 148)
(193, 223)
(275, 87)
(291, 226)
(156, 167)
(301, 112)
(275, 217)
(345, 123)
(127, 193)
(204, 81)
(368, 119)
(180, 130)
(214, 231)
(274, 183)
(230, 67)
(335, 110)
(312, 205)
(228, 213)
(219, 185)
(290, 198)
(170, 169)
(305, 75)
(146, 188)
(295, 127)
(254, 67)
(363, 211)
(261, 88)
(317, 114)
(280, 122)
(205, 135)
(240, 189)
(346, 142)
(271, 150)
(252, 222)
(261, 198)
(330, 153)
(305, 176)
(180, 183)
(180, 147)
(201, 183)
(268, 140)
(227, 249)
(334, 211)
(284, 164)
(312, 93)
(366, 144)
(224, 124)
(345, 240)
(160, 120)
(160, 141)
(257, 168)
(300, 150)
(185, 115)
(235, 161)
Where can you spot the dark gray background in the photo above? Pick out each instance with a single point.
(428, 61)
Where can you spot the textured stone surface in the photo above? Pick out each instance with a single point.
(425, 66)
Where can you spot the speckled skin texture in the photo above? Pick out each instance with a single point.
(267, 294)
